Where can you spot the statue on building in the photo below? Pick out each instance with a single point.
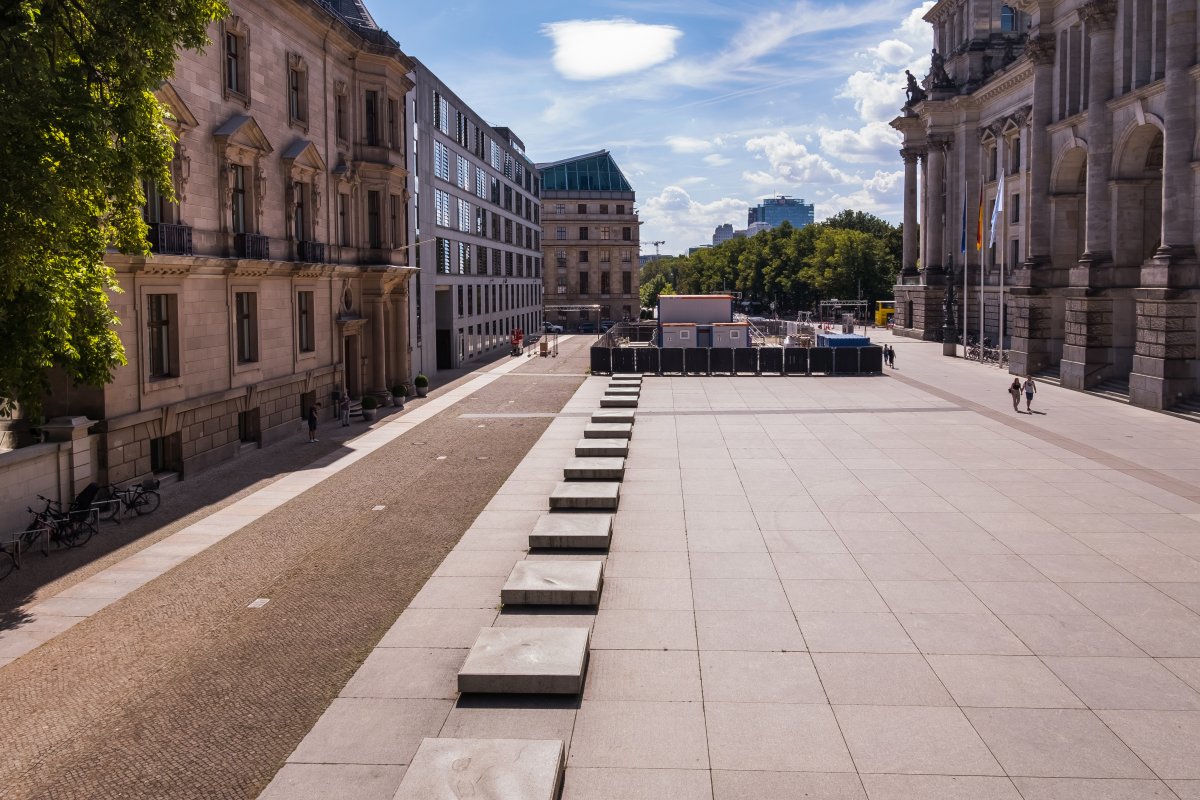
(938, 77)
(914, 92)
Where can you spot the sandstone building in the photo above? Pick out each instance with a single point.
(1085, 113)
(592, 240)
(475, 228)
(279, 277)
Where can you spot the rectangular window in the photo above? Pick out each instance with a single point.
(605, 256)
(481, 262)
(495, 156)
(604, 283)
(560, 234)
(460, 300)
(508, 263)
(1015, 260)
(371, 118)
(1016, 209)
(344, 220)
(441, 113)
(583, 234)
(246, 320)
(394, 124)
(508, 231)
(305, 325)
(464, 258)
(441, 207)
(464, 215)
(441, 161)
(374, 227)
(583, 256)
(161, 329)
(339, 112)
(238, 199)
(627, 234)
(481, 183)
(605, 233)
(297, 102)
(233, 63)
(626, 283)
(620, 210)
(463, 178)
(442, 256)
(581, 208)
(394, 219)
(625, 256)
(583, 283)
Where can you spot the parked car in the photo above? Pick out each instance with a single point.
(550, 327)
(605, 324)
(587, 327)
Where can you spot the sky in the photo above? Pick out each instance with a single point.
(707, 106)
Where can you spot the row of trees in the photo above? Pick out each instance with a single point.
(853, 255)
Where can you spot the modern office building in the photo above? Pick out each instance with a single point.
(1082, 117)
(723, 234)
(591, 243)
(774, 211)
(476, 227)
(278, 279)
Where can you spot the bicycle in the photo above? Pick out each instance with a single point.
(71, 528)
(8, 562)
(141, 499)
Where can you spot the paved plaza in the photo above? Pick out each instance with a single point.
(883, 587)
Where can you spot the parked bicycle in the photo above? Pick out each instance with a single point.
(8, 559)
(142, 498)
(70, 528)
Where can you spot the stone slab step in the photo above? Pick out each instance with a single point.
(591, 468)
(526, 661)
(602, 448)
(619, 401)
(615, 415)
(554, 583)
(572, 531)
(450, 769)
(585, 496)
(625, 382)
(623, 391)
(626, 376)
(608, 430)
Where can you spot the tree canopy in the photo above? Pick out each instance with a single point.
(80, 130)
(853, 255)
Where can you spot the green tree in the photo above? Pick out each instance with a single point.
(80, 130)
(649, 292)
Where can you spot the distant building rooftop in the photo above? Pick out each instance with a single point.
(594, 172)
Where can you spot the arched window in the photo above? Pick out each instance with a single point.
(1008, 19)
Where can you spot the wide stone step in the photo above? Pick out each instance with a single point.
(554, 583)
(623, 391)
(526, 661)
(615, 415)
(572, 532)
(585, 496)
(451, 769)
(626, 376)
(608, 430)
(594, 469)
(602, 448)
(624, 382)
(618, 401)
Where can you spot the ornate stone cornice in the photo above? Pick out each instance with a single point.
(1099, 15)
(911, 154)
(940, 141)
(1040, 49)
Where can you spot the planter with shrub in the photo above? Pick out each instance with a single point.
(399, 393)
(369, 404)
(422, 384)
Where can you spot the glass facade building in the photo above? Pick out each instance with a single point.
(776, 210)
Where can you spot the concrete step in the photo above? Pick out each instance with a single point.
(619, 401)
(554, 583)
(626, 376)
(615, 415)
(572, 532)
(602, 448)
(623, 391)
(594, 469)
(450, 769)
(625, 382)
(585, 496)
(608, 430)
(526, 661)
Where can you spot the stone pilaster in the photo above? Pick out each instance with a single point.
(1165, 353)
(935, 199)
(378, 346)
(1099, 16)
(1041, 51)
(1087, 346)
(911, 245)
(1030, 317)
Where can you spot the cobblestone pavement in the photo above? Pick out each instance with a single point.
(179, 690)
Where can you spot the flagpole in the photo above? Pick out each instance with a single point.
(1003, 264)
(981, 260)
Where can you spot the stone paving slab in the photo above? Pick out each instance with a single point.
(487, 769)
(526, 661)
(602, 448)
(572, 531)
(608, 430)
(590, 496)
(554, 583)
(590, 469)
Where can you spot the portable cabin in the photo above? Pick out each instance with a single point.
(730, 334)
(678, 334)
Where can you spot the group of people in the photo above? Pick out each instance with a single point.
(1015, 390)
(889, 355)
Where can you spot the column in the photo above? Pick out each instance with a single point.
(404, 336)
(911, 240)
(1041, 50)
(935, 197)
(1177, 176)
(378, 345)
(1100, 18)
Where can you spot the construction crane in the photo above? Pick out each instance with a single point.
(656, 245)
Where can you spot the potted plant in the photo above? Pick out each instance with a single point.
(399, 392)
(369, 404)
(422, 384)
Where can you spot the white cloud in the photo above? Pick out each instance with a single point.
(875, 141)
(893, 52)
(877, 96)
(587, 50)
(717, 160)
(675, 216)
(878, 90)
(790, 163)
(688, 144)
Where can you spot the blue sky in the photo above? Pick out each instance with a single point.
(707, 106)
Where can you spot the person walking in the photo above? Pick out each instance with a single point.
(344, 409)
(892, 357)
(312, 423)
(1015, 392)
(1030, 389)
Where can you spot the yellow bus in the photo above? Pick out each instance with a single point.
(884, 311)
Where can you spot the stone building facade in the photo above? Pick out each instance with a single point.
(279, 277)
(1085, 114)
(476, 228)
(592, 239)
